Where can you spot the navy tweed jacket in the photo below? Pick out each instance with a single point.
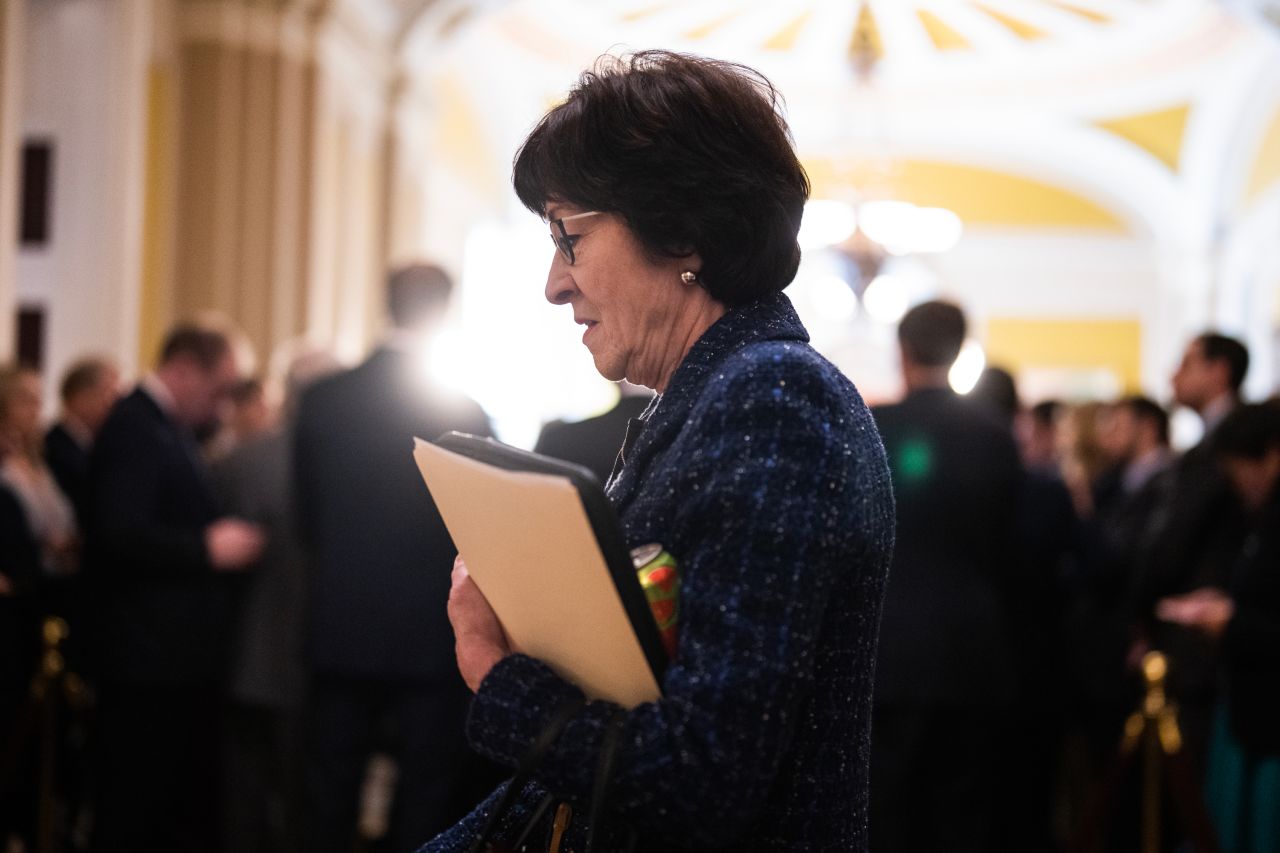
(761, 471)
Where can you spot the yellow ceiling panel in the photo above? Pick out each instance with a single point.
(1017, 26)
(865, 43)
(1018, 344)
(978, 195)
(942, 36)
(1159, 133)
(1266, 168)
(785, 39)
(641, 14)
(1087, 14)
(704, 30)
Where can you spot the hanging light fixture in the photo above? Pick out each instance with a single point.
(866, 230)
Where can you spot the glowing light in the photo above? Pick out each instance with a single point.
(913, 462)
(888, 223)
(968, 367)
(448, 360)
(886, 299)
(902, 228)
(936, 230)
(826, 223)
(519, 357)
(833, 298)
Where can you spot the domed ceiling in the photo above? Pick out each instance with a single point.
(987, 107)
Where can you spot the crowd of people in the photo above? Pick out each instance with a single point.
(1041, 553)
(253, 597)
(258, 607)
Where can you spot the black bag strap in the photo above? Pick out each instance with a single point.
(524, 771)
(605, 761)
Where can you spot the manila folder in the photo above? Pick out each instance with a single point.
(529, 547)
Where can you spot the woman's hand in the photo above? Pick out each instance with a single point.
(480, 641)
(1207, 609)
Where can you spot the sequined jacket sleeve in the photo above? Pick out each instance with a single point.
(770, 490)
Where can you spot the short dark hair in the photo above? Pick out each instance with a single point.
(691, 152)
(1219, 347)
(1249, 432)
(416, 292)
(932, 333)
(84, 374)
(1146, 409)
(206, 345)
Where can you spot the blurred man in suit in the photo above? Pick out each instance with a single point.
(159, 559)
(1243, 620)
(594, 442)
(946, 676)
(380, 646)
(1193, 531)
(90, 387)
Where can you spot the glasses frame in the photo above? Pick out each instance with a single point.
(564, 240)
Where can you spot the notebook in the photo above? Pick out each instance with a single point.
(543, 544)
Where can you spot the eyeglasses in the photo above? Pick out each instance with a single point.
(563, 239)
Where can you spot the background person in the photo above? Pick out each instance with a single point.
(1192, 543)
(1243, 619)
(674, 198)
(49, 515)
(90, 387)
(594, 442)
(21, 573)
(267, 678)
(379, 650)
(159, 558)
(947, 675)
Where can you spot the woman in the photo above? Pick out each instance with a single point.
(49, 514)
(674, 198)
(20, 575)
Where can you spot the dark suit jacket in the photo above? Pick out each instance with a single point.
(945, 635)
(1193, 540)
(761, 472)
(593, 442)
(1251, 645)
(69, 463)
(379, 555)
(162, 611)
(19, 613)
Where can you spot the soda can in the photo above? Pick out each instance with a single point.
(660, 581)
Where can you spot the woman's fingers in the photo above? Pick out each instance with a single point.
(480, 640)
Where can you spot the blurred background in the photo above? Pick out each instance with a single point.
(1094, 180)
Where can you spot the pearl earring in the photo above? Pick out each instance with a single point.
(689, 277)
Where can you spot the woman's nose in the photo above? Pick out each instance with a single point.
(560, 287)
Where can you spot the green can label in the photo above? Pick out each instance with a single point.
(661, 583)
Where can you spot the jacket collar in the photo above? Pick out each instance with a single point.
(770, 319)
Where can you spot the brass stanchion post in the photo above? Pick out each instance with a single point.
(45, 695)
(1153, 728)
